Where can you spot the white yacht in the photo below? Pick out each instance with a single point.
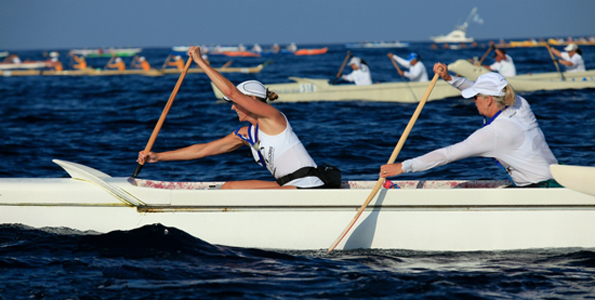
(458, 35)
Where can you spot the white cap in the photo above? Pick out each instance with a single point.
(490, 84)
(118, 59)
(251, 88)
(571, 47)
(142, 58)
(355, 61)
(54, 54)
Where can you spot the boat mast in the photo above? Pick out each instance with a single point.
(466, 23)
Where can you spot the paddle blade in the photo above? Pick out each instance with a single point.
(139, 167)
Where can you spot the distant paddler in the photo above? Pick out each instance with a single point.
(140, 63)
(55, 63)
(361, 72)
(80, 64)
(571, 58)
(178, 63)
(510, 134)
(117, 64)
(417, 71)
(503, 64)
(292, 47)
(13, 58)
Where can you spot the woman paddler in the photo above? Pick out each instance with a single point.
(510, 134)
(269, 136)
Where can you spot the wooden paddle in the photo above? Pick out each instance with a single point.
(392, 159)
(227, 64)
(399, 70)
(549, 49)
(342, 67)
(165, 62)
(139, 167)
(486, 54)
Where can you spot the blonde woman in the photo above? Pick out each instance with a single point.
(510, 134)
(270, 137)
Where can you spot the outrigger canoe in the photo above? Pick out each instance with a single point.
(102, 72)
(27, 65)
(421, 215)
(121, 52)
(377, 45)
(308, 89)
(531, 82)
(300, 52)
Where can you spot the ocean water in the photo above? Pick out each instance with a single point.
(103, 122)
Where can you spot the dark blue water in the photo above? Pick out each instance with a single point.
(103, 122)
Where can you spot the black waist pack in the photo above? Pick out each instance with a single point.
(330, 175)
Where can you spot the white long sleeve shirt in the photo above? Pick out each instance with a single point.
(513, 138)
(578, 65)
(416, 72)
(505, 67)
(360, 76)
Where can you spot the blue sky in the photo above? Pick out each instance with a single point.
(65, 24)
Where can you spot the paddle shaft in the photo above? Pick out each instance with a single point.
(391, 160)
(227, 64)
(165, 62)
(549, 49)
(139, 167)
(343, 66)
(485, 55)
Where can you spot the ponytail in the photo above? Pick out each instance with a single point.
(508, 99)
(509, 96)
(272, 96)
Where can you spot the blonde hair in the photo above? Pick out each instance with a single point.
(508, 98)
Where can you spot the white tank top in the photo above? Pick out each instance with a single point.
(284, 154)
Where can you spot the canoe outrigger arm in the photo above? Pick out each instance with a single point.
(81, 172)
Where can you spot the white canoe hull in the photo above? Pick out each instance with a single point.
(306, 89)
(440, 215)
(530, 82)
(25, 65)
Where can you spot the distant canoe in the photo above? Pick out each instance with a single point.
(241, 54)
(531, 82)
(311, 51)
(121, 52)
(245, 70)
(102, 72)
(300, 52)
(25, 65)
(377, 45)
(552, 42)
(308, 89)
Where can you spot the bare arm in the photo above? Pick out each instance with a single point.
(227, 144)
(230, 91)
(271, 120)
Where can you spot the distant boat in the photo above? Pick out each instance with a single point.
(106, 52)
(375, 45)
(3, 53)
(458, 35)
(25, 65)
